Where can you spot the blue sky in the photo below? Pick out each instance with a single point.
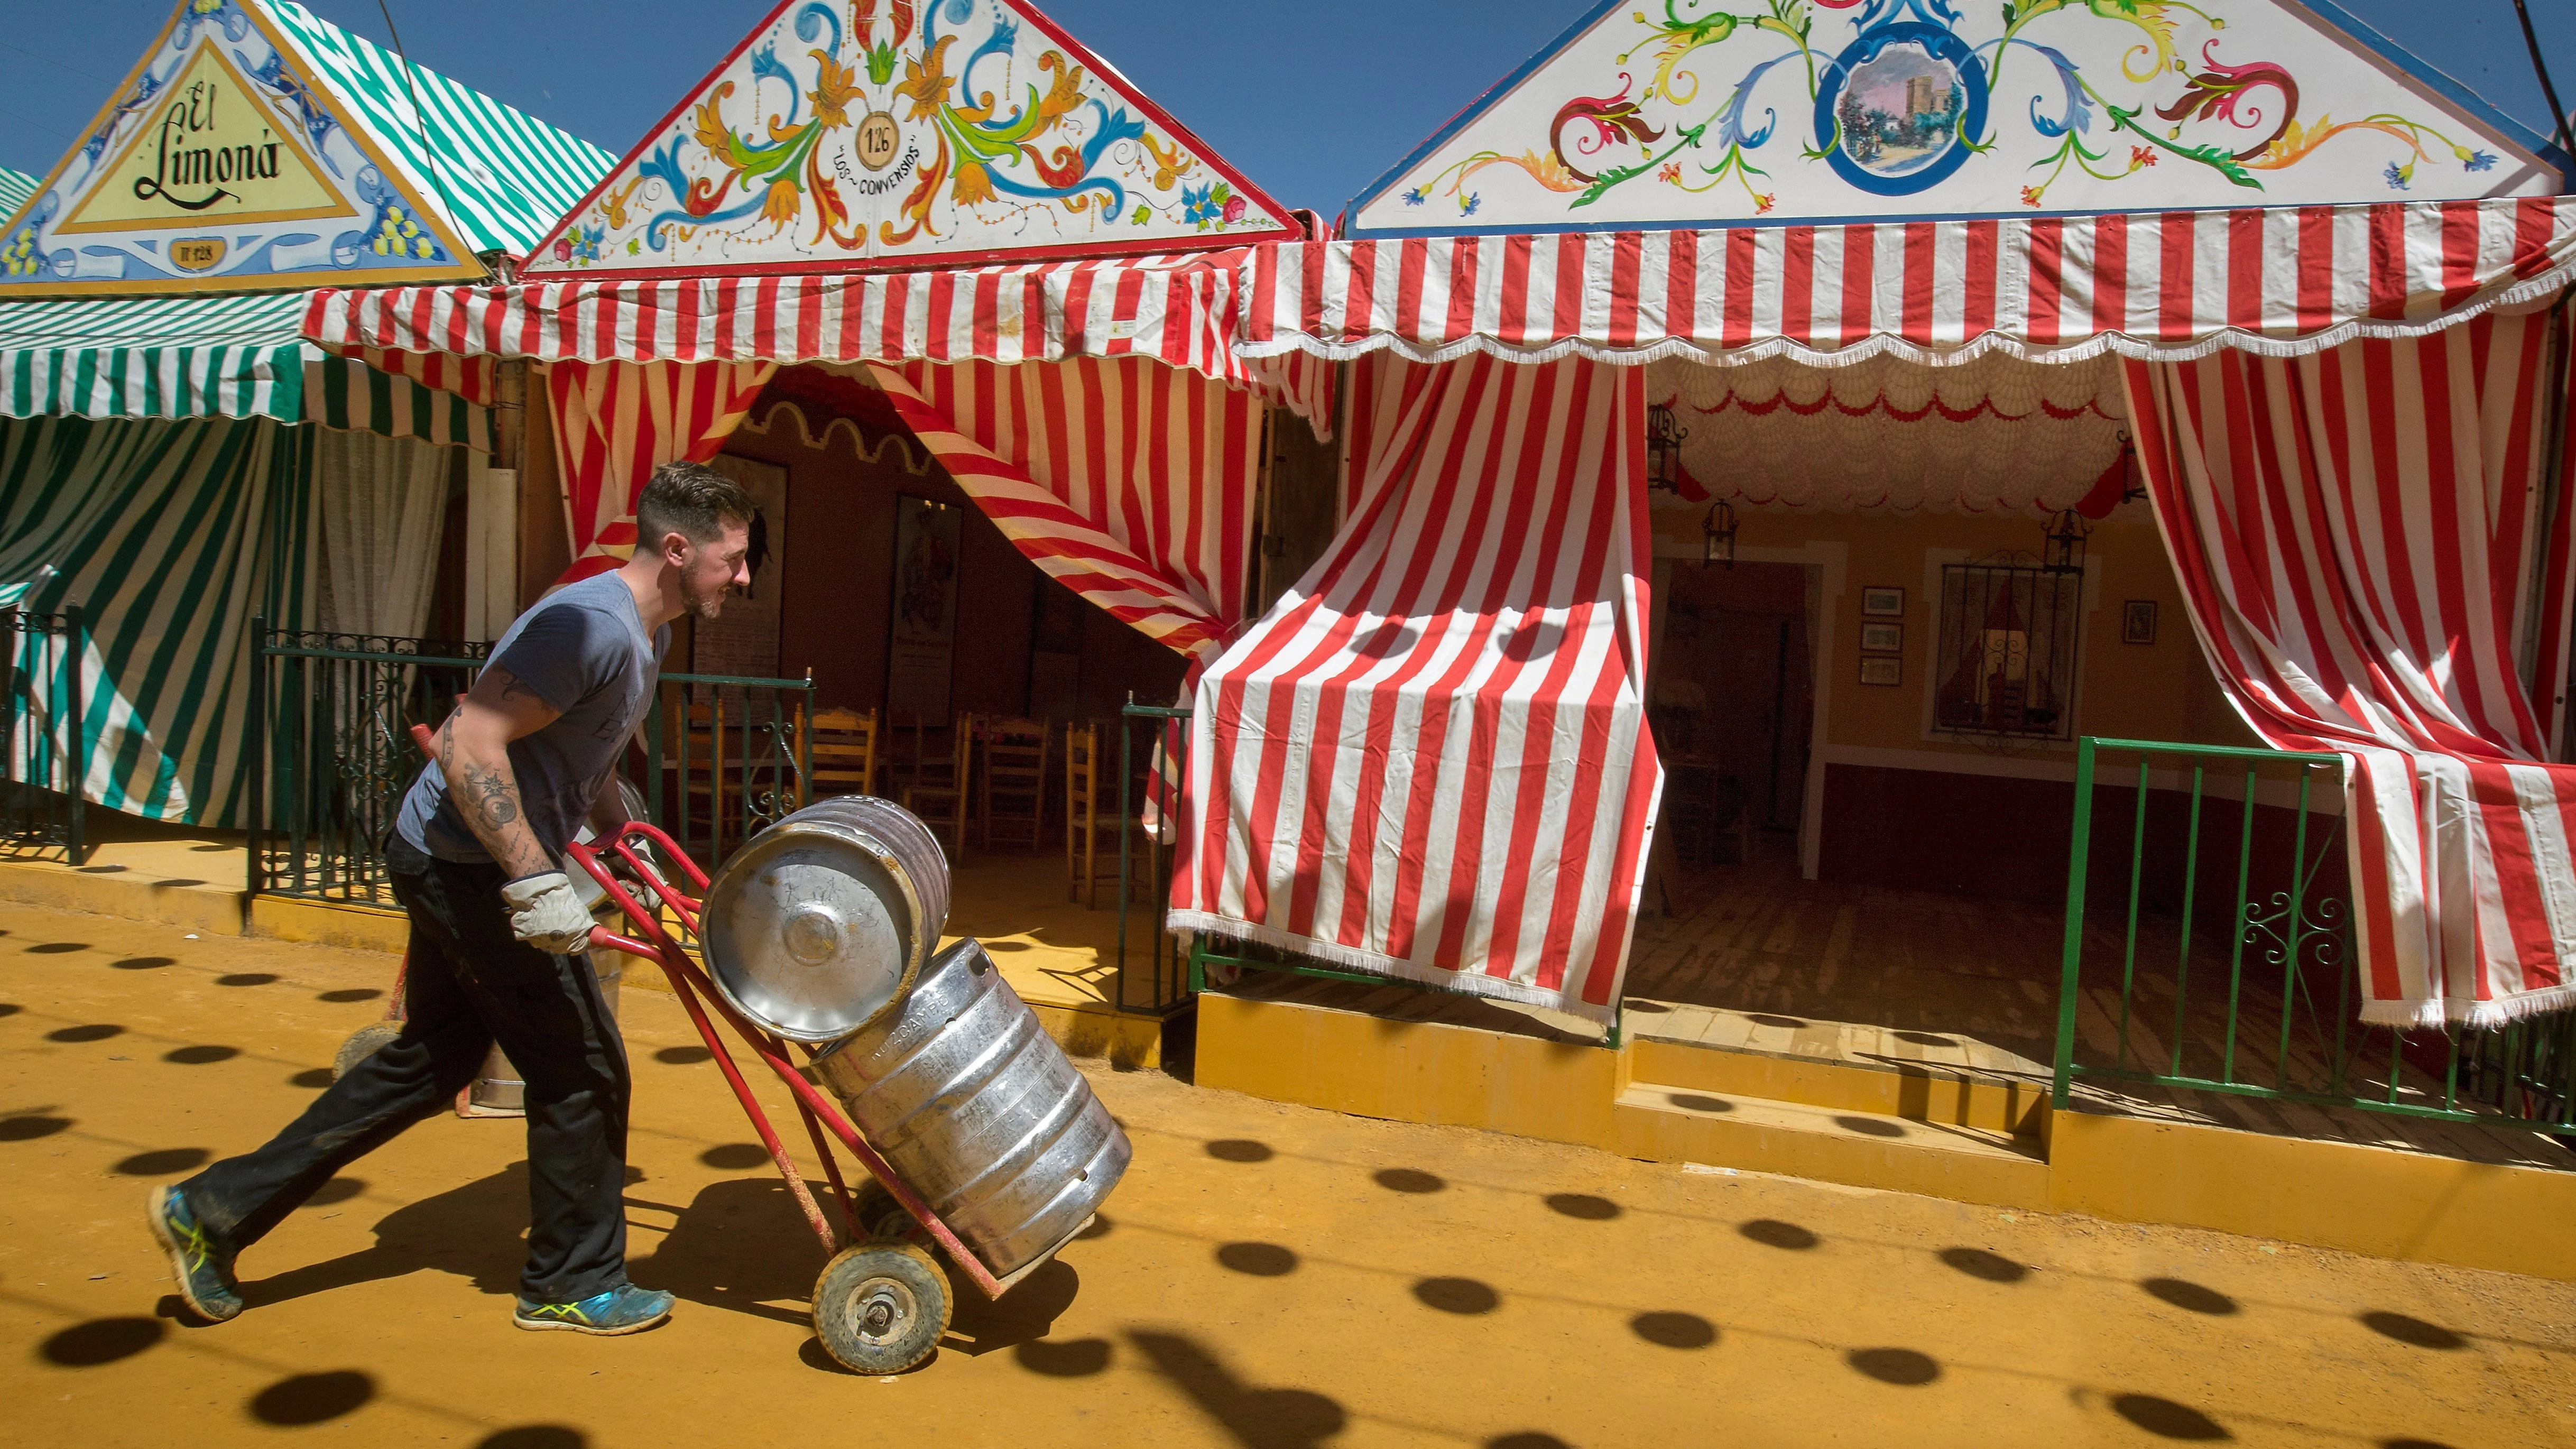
(1312, 99)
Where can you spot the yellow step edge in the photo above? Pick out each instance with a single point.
(1919, 1092)
(1858, 1149)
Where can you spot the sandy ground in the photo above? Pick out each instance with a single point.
(1267, 1276)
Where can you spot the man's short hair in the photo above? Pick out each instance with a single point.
(690, 499)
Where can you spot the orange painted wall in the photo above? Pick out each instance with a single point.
(2159, 691)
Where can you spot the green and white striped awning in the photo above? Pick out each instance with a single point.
(209, 357)
(15, 188)
(504, 176)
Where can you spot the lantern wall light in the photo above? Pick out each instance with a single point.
(1663, 449)
(1717, 535)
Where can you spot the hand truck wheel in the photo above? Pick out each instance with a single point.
(362, 1044)
(880, 1308)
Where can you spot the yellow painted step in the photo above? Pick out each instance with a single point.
(1861, 1149)
(1917, 1092)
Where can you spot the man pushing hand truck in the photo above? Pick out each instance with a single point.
(499, 937)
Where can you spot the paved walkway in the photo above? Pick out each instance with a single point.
(1269, 1276)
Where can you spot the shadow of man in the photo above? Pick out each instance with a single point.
(477, 1231)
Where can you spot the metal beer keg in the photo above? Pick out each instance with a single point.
(819, 922)
(978, 1110)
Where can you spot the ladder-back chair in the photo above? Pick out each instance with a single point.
(941, 784)
(1011, 783)
(1090, 813)
(844, 753)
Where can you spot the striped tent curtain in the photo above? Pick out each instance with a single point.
(2353, 531)
(1430, 759)
(171, 535)
(1128, 481)
(615, 422)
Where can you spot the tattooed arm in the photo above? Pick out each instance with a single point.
(474, 755)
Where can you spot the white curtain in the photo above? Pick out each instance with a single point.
(383, 501)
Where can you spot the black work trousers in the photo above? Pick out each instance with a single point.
(469, 982)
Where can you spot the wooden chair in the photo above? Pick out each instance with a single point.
(844, 753)
(938, 792)
(1090, 814)
(1010, 791)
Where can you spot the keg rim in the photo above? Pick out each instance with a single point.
(780, 836)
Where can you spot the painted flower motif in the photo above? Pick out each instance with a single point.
(2030, 195)
(925, 81)
(1417, 195)
(974, 185)
(1763, 201)
(835, 86)
(563, 249)
(2141, 156)
(1234, 209)
(2476, 160)
(1671, 174)
(780, 205)
(2398, 176)
(709, 127)
(1199, 205)
(1143, 215)
(1474, 199)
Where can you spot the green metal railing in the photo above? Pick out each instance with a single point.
(1205, 951)
(765, 757)
(45, 742)
(331, 755)
(1149, 866)
(2227, 964)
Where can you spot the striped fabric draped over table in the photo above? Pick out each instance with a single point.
(171, 536)
(615, 422)
(2353, 533)
(1430, 759)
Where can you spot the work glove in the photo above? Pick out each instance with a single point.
(546, 914)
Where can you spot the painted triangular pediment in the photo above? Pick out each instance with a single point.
(225, 163)
(885, 133)
(1669, 113)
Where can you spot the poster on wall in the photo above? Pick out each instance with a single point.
(743, 641)
(922, 637)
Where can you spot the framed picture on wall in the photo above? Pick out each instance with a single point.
(1877, 638)
(1882, 669)
(1883, 600)
(921, 649)
(2138, 621)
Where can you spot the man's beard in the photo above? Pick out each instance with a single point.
(709, 604)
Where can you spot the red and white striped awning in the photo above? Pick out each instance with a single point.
(2168, 286)
(1181, 310)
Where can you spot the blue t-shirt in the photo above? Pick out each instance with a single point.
(585, 653)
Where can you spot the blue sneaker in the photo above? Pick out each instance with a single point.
(622, 1309)
(203, 1266)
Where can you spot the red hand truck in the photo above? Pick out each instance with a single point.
(880, 1304)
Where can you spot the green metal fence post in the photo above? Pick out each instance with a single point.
(2079, 853)
(76, 646)
(255, 869)
(653, 759)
